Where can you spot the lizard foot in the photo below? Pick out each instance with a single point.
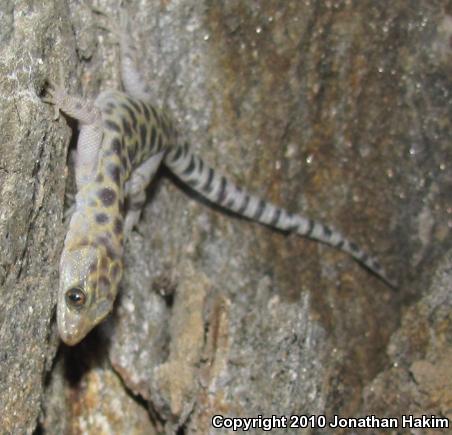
(56, 93)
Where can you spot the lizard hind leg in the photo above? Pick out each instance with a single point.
(132, 80)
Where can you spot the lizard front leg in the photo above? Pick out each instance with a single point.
(90, 125)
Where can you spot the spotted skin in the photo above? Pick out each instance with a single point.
(123, 140)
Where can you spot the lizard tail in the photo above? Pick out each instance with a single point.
(212, 185)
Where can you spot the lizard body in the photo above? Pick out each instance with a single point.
(123, 140)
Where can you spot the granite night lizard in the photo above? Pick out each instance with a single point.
(123, 140)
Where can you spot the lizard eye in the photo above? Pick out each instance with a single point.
(75, 298)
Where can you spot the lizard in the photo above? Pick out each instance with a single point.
(123, 139)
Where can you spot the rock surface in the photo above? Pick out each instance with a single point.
(338, 109)
(419, 379)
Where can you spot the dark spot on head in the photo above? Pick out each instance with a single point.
(83, 242)
(103, 264)
(100, 178)
(104, 280)
(104, 283)
(92, 268)
(101, 218)
(104, 242)
(115, 271)
(117, 228)
(107, 196)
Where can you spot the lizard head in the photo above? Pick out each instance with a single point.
(89, 280)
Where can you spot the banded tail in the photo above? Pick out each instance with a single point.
(217, 189)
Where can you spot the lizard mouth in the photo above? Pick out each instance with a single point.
(71, 327)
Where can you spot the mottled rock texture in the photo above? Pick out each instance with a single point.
(419, 378)
(338, 109)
